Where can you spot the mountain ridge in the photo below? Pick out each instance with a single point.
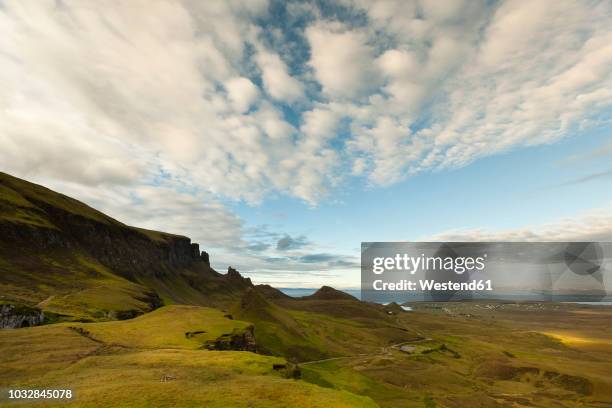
(75, 262)
(94, 266)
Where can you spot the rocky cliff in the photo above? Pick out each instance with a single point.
(37, 219)
(76, 261)
(14, 317)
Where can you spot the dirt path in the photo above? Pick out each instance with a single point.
(45, 302)
(383, 352)
(338, 358)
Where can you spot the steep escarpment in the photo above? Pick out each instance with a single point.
(36, 219)
(76, 261)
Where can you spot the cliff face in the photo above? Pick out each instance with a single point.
(14, 317)
(39, 223)
(234, 276)
(79, 262)
(125, 250)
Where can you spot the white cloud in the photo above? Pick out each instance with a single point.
(399, 63)
(318, 126)
(108, 96)
(530, 93)
(277, 81)
(341, 60)
(595, 225)
(484, 79)
(114, 94)
(126, 93)
(242, 92)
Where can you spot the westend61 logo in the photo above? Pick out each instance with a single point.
(448, 271)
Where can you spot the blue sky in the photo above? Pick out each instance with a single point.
(279, 135)
(520, 188)
(524, 188)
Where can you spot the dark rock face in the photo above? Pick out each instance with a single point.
(49, 238)
(205, 258)
(127, 250)
(14, 317)
(234, 275)
(195, 251)
(237, 341)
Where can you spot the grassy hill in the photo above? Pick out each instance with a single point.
(154, 360)
(312, 329)
(71, 260)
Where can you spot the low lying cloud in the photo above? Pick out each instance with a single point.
(595, 225)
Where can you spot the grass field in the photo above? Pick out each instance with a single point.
(510, 356)
(122, 364)
(317, 329)
(459, 354)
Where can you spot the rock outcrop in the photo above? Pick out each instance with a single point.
(205, 258)
(241, 340)
(121, 249)
(235, 276)
(15, 317)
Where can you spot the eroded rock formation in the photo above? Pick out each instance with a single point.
(241, 340)
(14, 317)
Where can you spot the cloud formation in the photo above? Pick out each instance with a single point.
(209, 93)
(595, 225)
(143, 108)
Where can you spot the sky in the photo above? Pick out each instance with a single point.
(280, 135)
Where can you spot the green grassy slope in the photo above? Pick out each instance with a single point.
(305, 330)
(467, 355)
(19, 203)
(519, 356)
(450, 355)
(69, 283)
(124, 364)
(166, 327)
